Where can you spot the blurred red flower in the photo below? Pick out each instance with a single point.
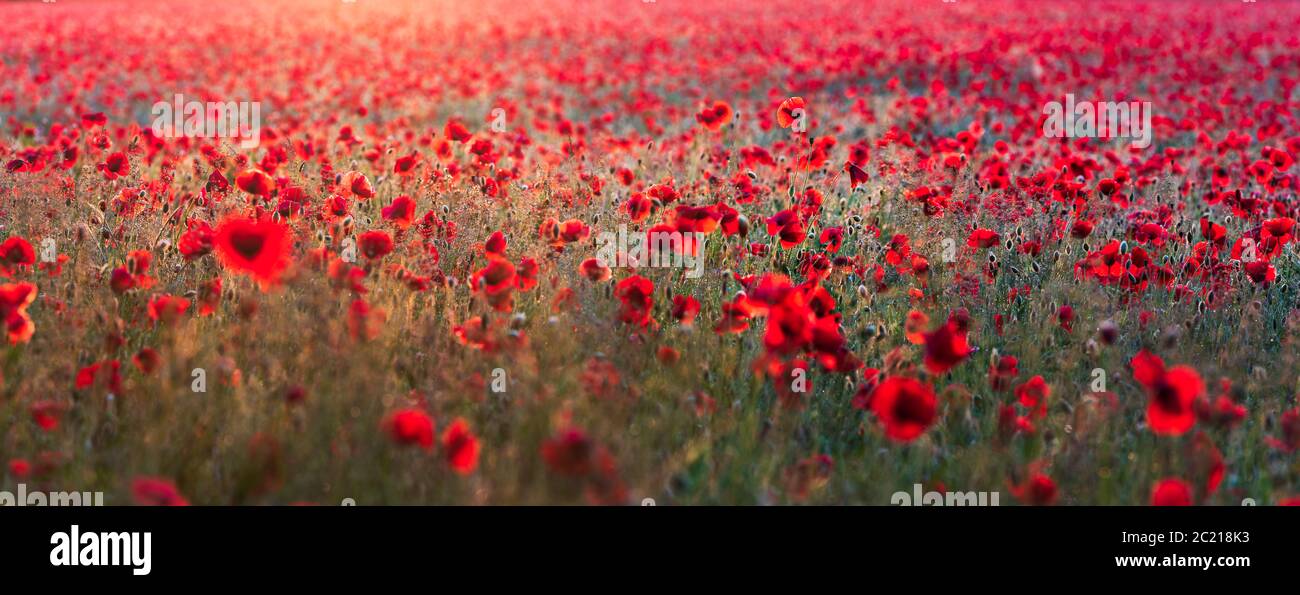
(156, 491)
(905, 406)
(15, 253)
(1171, 492)
(461, 447)
(569, 453)
(410, 427)
(1171, 393)
(636, 293)
(14, 300)
(259, 249)
(945, 347)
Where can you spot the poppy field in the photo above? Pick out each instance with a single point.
(621, 251)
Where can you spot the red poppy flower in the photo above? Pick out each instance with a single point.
(1261, 272)
(1223, 411)
(357, 184)
(475, 333)
(549, 231)
(167, 309)
(715, 117)
(156, 491)
(526, 274)
(217, 183)
(1037, 490)
(636, 293)
(401, 211)
(146, 360)
(1290, 427)
(375, 244)
(93, 119)
(789, 326)
(409, 427)
(857, 175)
(15, 253)
(197, 240)
(638, 207)
(572, 231)
(1275, 234)
(405, 165)
(364, 321)
(137, 264)
(456, 131)
(832, 238)
(569, 453)
(788, 227)
(20, 468)
(259, 249)
(1003, 372)
(685, 308)
(256, 182)
(667, 355)
(945, 347)
(831, 348)
(601, 378)
(461, 447)
(914, 327)
(862, 396)
(497, 282)
(14, 299)
(983, 238)
(906, 407)
(592, 269)
(1171, 393)
(121, 281)
(1171, 492)
(1033, 395)
(735, 316)
(106, 374)
(116, 166)
(785, 113)
(495, 245)
(1065, 317)
(688, 218)
(47, 413)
